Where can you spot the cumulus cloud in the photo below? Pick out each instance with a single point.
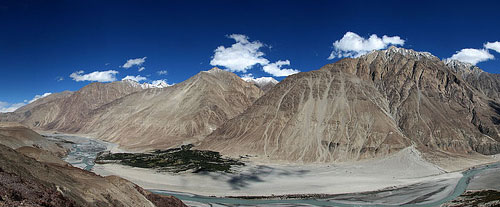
(7, 107)
(353, 45)
(276, 70)
(11, 107)
(241, 56)
(245, 54)
(132, 62)
(162, 72)
(137, 78)
(493, 46)
(39, 97)
(99, 76)
(472, 56)
(141, 69)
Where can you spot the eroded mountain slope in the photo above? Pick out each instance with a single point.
(183, 113)
(364, 107)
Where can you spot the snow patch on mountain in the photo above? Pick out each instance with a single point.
(260, 82)
(153, 84)
(463, 67)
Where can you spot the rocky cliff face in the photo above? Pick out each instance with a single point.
(486, 83)
(365, 107)
(183, 113)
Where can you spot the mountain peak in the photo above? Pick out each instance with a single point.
(462, 67)
(455, 63)
(264, 83)
(154, 84)
(390, 52)
(215, 69)
(408, 52)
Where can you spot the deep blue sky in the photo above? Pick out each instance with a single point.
(43, 40)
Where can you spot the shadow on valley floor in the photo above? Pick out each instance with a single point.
(239, 180)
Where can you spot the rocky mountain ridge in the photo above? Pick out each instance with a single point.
(151, 118)
(264, 83)
(365, 107)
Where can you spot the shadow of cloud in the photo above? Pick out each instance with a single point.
(256, 174)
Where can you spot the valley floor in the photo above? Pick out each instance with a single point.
(402, 178)
(257, 179)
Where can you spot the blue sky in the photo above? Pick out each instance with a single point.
(43, 42)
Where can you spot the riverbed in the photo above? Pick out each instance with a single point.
(430, 190)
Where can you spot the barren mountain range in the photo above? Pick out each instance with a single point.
(368, 107)
(125, 113)
(356, 108)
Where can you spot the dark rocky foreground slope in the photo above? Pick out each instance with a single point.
(25, 181)
(483, 198)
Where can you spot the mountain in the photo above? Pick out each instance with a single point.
(486, 83)
(182, 113)
(15, 136)
(25, 181)
(66, 111)
(140, 116)
(264, 83)
(154, 84)
(366, 107)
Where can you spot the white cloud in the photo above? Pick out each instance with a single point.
(137, 78)
(132, 62)
(141, 69)
(241, 56)
(99, 76)
(247, 77)
(472, 56)
(162, 72)
(7, 107)
(353, 45)
(493, 46)
(276, 70)
(39, 97)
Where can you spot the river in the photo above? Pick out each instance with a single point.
(83, 152)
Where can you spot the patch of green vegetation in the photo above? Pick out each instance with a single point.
(173, 160)
(485, 196)
(476, 198)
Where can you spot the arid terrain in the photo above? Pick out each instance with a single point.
(391, 119)
(35, 176)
